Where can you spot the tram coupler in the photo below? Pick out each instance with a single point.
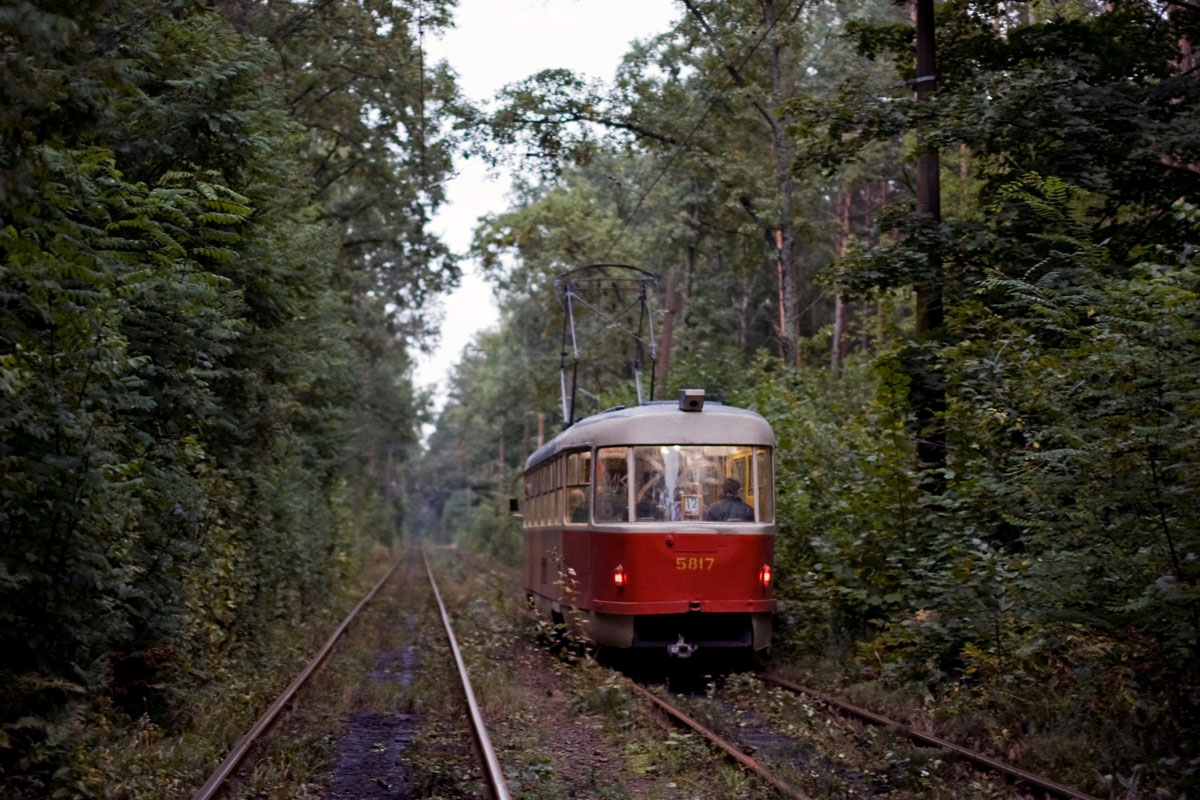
(681, 649)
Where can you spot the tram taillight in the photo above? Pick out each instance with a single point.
(764, 575)
(619, 577)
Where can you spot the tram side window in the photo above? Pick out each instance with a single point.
(533, 502)
(764, 490)
(544, 516)
(556, 469)
(612, 485)
(538, 499)
(579, 474)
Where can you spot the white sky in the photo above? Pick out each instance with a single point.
(496, 42)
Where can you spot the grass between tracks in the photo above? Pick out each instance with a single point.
(298, 760)
(120, 757)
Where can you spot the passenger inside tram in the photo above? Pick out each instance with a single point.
(718, 483)
(577, 505)
(730, 507)
(612, 480)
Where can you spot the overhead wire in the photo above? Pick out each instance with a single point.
(687, 140)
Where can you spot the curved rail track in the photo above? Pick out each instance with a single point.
(730, 750)
(1048, 787)
(1045, 787)
(493, 775)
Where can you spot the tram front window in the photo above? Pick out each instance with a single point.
(684, 483)
(612, 484)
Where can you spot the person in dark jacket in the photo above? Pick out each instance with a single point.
(730, 507)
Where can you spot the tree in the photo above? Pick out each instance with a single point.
(182, 379)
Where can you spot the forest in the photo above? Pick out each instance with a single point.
(946, 248)
(968, 307)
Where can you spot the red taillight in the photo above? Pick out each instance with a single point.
(764, 575)
(619, 576)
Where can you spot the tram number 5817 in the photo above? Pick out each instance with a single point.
(694, 563)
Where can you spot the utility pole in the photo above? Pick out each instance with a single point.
(668, 326)
(838, 354)
(501, 494)
(928, 391)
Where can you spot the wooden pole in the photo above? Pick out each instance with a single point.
(665, 341)
(839, 309)
(929, 395)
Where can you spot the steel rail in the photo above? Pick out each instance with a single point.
(227, 767)
(979, 759)
(737, 755)
(492, 770)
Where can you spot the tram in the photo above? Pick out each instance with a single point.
(653, 527)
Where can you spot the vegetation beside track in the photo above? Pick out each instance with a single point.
(205, 407)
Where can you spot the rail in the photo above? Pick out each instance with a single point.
(217, 779)
(979, 759)
(492, 771)
(737, 755)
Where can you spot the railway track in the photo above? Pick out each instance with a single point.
(493, 776)
(1032, 785)
(740, 756)
(815, 775)
(1047, 787)
(1028, 783)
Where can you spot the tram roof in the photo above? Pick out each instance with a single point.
(661, 423)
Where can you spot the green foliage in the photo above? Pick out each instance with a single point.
(204, 412)
(377, 138)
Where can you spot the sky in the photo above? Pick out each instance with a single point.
(496, 42)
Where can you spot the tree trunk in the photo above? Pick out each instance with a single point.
(673, 300)
(928, 394)
(838, 349)
(785, 185)
(884, 197)
(781, 328)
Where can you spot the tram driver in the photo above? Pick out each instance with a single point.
(730, 507)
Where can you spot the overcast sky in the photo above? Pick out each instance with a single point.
(496, 42)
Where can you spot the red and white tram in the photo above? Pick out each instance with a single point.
(653, 526)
